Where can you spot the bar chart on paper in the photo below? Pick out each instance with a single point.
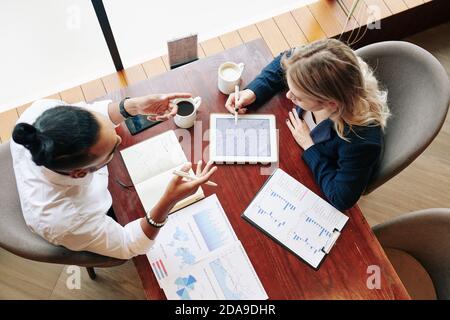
(214, 232)
(279, 210)
(189, 235)
(296, 217)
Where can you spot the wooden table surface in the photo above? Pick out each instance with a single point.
(346, 270)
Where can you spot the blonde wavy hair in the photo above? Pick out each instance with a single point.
(329, 70)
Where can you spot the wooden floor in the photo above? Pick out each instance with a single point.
(423, 184)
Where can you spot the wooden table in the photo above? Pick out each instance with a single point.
(343, 274)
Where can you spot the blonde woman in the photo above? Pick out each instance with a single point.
(339, 114)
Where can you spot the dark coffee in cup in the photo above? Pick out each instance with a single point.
(185, 108)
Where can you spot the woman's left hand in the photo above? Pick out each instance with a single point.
(300, 130)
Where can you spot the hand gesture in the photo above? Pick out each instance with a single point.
(178, 189)
(158, 107)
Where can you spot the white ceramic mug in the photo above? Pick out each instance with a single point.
(187, 121)
(229, 75)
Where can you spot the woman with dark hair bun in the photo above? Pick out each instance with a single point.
(60, 153)
(56, 146)
(40, 146)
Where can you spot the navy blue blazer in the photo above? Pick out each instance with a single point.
(342, 169)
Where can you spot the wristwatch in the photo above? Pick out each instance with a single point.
(153, 223)
(122, 110)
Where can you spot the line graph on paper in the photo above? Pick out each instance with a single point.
(234, 282)
(277, 210)
(277, 206)
(309, 235)
(295, 216)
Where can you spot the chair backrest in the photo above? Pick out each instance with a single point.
(16, 237)
(425, 235)
(418, 97)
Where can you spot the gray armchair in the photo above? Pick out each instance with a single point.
(418, 96)
(418, 245)
(16, 237)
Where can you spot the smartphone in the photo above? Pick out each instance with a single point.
(139, 123)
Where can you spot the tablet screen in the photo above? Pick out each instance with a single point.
(249, 137)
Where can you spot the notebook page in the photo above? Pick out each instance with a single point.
(153, 156)
(151, 190)
(295, 216)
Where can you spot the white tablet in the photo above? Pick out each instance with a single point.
(253, 139)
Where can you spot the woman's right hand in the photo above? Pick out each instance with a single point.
(246, 97)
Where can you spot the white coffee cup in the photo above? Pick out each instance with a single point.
(186, 115)
(229, 75)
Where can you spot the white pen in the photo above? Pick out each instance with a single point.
(188, 176)
(236, 98)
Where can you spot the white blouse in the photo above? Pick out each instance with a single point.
(72, 212)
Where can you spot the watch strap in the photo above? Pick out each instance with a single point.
(122, 110)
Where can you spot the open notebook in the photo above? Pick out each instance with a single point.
(296, 217)
(150, 164)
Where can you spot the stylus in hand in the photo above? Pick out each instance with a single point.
(236, 98)
(188, 176)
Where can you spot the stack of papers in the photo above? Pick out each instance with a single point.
(197, 256)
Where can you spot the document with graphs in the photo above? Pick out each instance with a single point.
(226, 274)
(198, 256)
(296, 217)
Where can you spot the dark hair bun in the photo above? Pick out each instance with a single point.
(40, 146)
(25, 134)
